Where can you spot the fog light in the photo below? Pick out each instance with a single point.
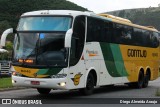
(62, 84)
(13, 81)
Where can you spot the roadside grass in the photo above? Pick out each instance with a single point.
(158, 92)
(5, 82)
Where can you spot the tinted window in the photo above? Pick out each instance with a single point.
(95, 29)
(104, 31)
(137, 37)
(98, 30)
(154, 40)
(77, 39)
(122, 34)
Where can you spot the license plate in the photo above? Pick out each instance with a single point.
(35, 82)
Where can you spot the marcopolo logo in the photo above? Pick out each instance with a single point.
(137, 53)
(92, 53)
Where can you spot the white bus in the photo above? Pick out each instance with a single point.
(64, 49)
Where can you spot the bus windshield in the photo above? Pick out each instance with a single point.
(45, 23)
(40, 41)
(40, 49)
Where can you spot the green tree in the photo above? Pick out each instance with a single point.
(9, 45)
(3, 26)
(122, 13)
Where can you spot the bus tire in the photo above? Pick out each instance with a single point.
(139, 84)
(89, 85)
(145, 82)
(131, 85)
(43, 90)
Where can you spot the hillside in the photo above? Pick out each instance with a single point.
(143, 16)
(10, 10)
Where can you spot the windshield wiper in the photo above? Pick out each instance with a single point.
(29, 55)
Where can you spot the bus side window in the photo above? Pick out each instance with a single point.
(116, 34)
(145, 38)
(73, 49)
(109, 31)
(159, 38)
(90, 30)
(137, 37)
(154, 40)
(129, 32)
(99, 30)
(122, 34)
(78, 38)
(93, 29)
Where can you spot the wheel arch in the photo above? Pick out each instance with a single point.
(94, 72)
(141, 69)
(148, 72)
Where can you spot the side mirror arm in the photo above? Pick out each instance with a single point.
(5, 34)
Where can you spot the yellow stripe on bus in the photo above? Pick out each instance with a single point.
(29, 72)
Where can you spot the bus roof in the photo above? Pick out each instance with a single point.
(87, 13)
(57, 12)
(126, 22)
(116, 18)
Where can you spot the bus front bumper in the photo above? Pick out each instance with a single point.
(52, 83)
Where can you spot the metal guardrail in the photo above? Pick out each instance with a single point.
(5, 68)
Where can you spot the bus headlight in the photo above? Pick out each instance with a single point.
(59, 76)
(62, 84)
(13, 81)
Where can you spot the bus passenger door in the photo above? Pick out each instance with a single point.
(77, 66)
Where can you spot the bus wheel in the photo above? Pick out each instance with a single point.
(43, 90)
(139, 84)
(89, 85)
(145, 82)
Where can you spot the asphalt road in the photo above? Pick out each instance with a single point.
(118, 91)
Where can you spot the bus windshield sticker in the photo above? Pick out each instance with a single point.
(42, 36)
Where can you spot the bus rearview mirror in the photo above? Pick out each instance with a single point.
(4, 36)
(68, 37)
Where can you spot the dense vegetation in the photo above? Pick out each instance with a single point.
(143, 16)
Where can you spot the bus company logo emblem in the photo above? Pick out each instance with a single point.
(76, 79)
(137, 53)
(35, 75)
